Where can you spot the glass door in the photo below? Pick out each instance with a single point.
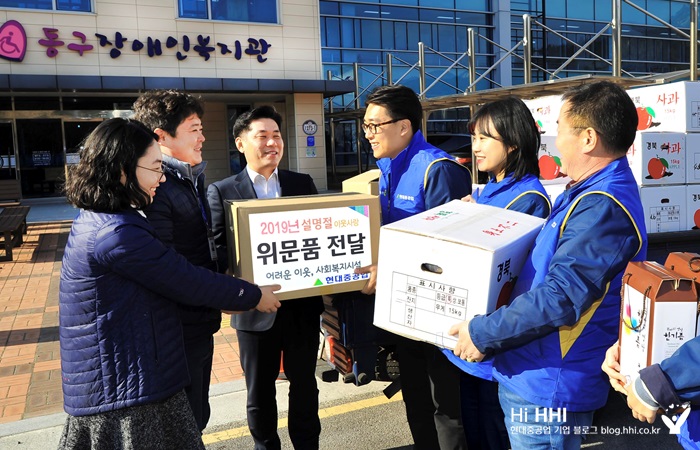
(41, 160)
(9, 182)
(75, 133)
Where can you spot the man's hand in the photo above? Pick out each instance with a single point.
(468, 199)
(371, 285)
(465, 348)
(639, 411)
(611, 367)
(268, 301)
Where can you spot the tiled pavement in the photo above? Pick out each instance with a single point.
(30, 371)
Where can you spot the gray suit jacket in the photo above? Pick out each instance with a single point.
(239, 187)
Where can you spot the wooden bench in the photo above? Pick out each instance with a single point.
(13, 225)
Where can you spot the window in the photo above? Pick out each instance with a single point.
(330, 28)
(57, 5)
(260, 11)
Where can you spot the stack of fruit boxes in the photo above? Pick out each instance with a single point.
(545, 110)
(665, 157)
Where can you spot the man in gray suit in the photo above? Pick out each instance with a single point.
(291, 333)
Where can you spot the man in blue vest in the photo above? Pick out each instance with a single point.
(551, 340)
(415, 177)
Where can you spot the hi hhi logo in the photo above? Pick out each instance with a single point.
(674, 424)
(540, 414)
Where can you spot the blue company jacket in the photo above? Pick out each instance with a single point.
(181, 217)
(526, 195)
(550, 341)
(419, 178)
(119, 330)
(675, 381)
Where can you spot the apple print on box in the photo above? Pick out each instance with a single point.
(549, 160)
(658, 158)
(658, 168)
(646, 117)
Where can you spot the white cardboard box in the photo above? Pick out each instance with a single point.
(692, 201)
(545, 111)
(549, 159)
(658, 158)
(668, 107)
(659, 309)
(448, 264)
(692, 158)
(665, 208)
(555, 188)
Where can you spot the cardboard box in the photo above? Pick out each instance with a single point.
(364, 183)
(310, 245)
(686, 264)
(658, 158)
(668, 107)
(692, 206)
(555, 188)
(549, 159)
(692, 158)
(664, 208)
(447, 264)
(545, 111)
(659, 309)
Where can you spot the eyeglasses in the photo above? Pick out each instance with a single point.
(373, 128)
(160, 171)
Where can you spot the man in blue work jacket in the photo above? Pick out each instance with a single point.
(415, 177)
(564, 314)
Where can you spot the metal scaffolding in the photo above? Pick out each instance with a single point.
(522, 50)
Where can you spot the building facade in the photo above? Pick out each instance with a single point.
(66, 65)
(365, 32)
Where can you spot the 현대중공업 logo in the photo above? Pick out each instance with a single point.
(674, 424)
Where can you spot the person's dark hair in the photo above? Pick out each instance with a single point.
(261, 112)
(112, 149)
(400, 102)
(166, 109)
(512, 120)
(608, 109)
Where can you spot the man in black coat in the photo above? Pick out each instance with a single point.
(180, 215)
(291, 333)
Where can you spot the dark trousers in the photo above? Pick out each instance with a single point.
(482, 415)
(295, 335)
(199, 353)
(430, 385)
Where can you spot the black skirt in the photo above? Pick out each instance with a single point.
(157, 426)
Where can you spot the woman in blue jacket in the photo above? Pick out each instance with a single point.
(505, 143)
(122, 355)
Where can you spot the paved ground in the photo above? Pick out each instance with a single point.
(30, 388)
(30, 378)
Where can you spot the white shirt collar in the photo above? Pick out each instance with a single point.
(269, 188)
